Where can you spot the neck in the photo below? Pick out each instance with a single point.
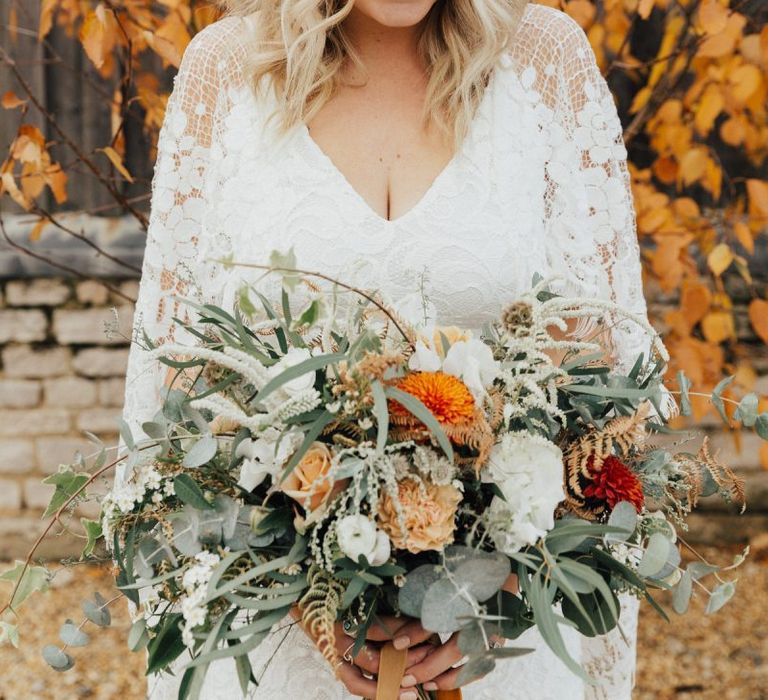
(380, 46)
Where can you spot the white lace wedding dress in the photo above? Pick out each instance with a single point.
(539, 185)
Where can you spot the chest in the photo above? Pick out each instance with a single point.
(374, 136)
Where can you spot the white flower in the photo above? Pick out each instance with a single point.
(528, 470)
(358, 535)
(293, 357)
(472, 362)
(424, 359)
(264, 456)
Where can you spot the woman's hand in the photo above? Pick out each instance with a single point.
(358, 674)
(435, 671)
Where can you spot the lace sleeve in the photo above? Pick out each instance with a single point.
(173, 269)
(592, 238)
(593, 245)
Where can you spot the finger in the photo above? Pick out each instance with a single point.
(385, 627)
(434, 664)
(411, 634)
(445, 681)
(355, 682)
(369, 657)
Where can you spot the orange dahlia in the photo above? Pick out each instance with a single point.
(447, 397)
(613, 483)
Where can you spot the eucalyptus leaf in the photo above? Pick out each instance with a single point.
(699, 569)
(720, 596)
(623, 516)
(471, 639)
(186, 488)
(717, 400)
(681, 596)
(138, 638)
(201, 452)
(126, 434)
(445, 607)
(655, 555)
(761, 425)
(57, 659)
(746, 411)
(477, 667)
(96, 610)
(417, 582)
(166, 645)
(72, 636)
(483, 577)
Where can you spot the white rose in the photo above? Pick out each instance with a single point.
(472, 362)
(358, 535)
(293, 357)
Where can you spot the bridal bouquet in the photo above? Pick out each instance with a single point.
(340, 463)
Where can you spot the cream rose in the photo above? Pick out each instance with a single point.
(307, 483)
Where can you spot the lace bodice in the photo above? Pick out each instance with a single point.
(540, 184)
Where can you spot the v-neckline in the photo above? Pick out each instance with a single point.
(325, 160)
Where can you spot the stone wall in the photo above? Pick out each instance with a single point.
(62, 373)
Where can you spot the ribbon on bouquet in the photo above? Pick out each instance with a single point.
(391, 671)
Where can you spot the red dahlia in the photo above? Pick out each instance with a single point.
(614, 483)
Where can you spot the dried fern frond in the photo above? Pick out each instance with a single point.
(622, 434)
(721, 474)
(319, 607)
(587, 454)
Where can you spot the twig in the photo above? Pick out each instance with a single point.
(58, 265)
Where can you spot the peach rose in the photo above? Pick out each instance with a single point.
(429, 515)
(308, 477)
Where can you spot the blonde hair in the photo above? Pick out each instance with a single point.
(301, 45)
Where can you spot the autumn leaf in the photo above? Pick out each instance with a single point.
(720, 258)
(758, 317)
(758, 198)
(693, 166)
(98, 35)
(117, 161)
(11, 101)
(695, 302)
(744, 236)
(718, 326)
(713, 17)
(744, 82)
(644, 8)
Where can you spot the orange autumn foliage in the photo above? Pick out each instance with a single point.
(693, 77)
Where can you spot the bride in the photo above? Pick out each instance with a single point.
(447, 148)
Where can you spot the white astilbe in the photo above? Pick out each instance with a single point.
(227, 409)
(241, 362)
(528, 374)
(283, 412)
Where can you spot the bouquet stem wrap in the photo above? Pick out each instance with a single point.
(391, 670)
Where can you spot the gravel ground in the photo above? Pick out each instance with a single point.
(723, 657)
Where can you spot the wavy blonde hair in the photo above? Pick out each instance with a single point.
(301, 45)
